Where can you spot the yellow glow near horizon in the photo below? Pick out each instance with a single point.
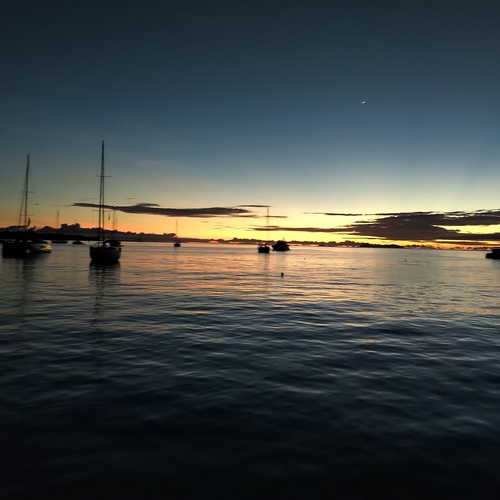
(227, 228)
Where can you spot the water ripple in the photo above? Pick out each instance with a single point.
(206, 374)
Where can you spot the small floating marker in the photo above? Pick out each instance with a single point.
(282, 274)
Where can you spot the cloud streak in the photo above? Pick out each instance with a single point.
(154, 209)
(457, 218)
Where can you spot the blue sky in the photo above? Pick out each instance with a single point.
(207, 104)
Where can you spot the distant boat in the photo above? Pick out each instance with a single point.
(58, 241)
(77, 242)
(26, 242)
(494, 254)
(263, 247)
(104, 251)
(177, 244)
(114, 242)
(281, 246)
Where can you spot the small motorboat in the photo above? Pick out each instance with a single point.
(281, 246)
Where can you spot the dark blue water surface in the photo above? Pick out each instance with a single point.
(201, 372)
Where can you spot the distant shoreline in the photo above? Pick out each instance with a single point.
(88, 235)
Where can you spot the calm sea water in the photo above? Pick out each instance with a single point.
(202, 372)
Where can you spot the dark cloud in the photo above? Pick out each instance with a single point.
(301, 229)
(412, 226)
(458, 218)
(337, 214)
(153, 209)
(255, 206)
(394, 227)
(426, 226)
(146, 205)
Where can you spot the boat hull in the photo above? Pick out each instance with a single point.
(22, 248)
(16, 249)
(40, 247)
(105, 254)
(263, 249)
(494, 254)
(281, 246)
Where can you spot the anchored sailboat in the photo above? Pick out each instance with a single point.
(177, 242)
(59, 241)
(264, 248)
(104, 251)
(26, 242)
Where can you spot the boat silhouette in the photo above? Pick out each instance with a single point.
(26, 243)
(264, 247)
(104, 251)
(281, 246)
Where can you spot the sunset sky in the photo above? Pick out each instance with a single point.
(366, 120)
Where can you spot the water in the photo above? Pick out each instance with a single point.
(201, 372)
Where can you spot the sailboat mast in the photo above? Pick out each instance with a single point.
(100, 235)
(267, 226)
(23, 215)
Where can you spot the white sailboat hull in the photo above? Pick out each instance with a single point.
(40, 247)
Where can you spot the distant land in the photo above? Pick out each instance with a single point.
(73, 232)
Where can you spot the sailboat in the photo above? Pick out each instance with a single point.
(58, 227)
(177, 243)
(264, 248)
(26, 242)
(104, 252)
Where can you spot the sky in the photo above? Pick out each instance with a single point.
(360, 120)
